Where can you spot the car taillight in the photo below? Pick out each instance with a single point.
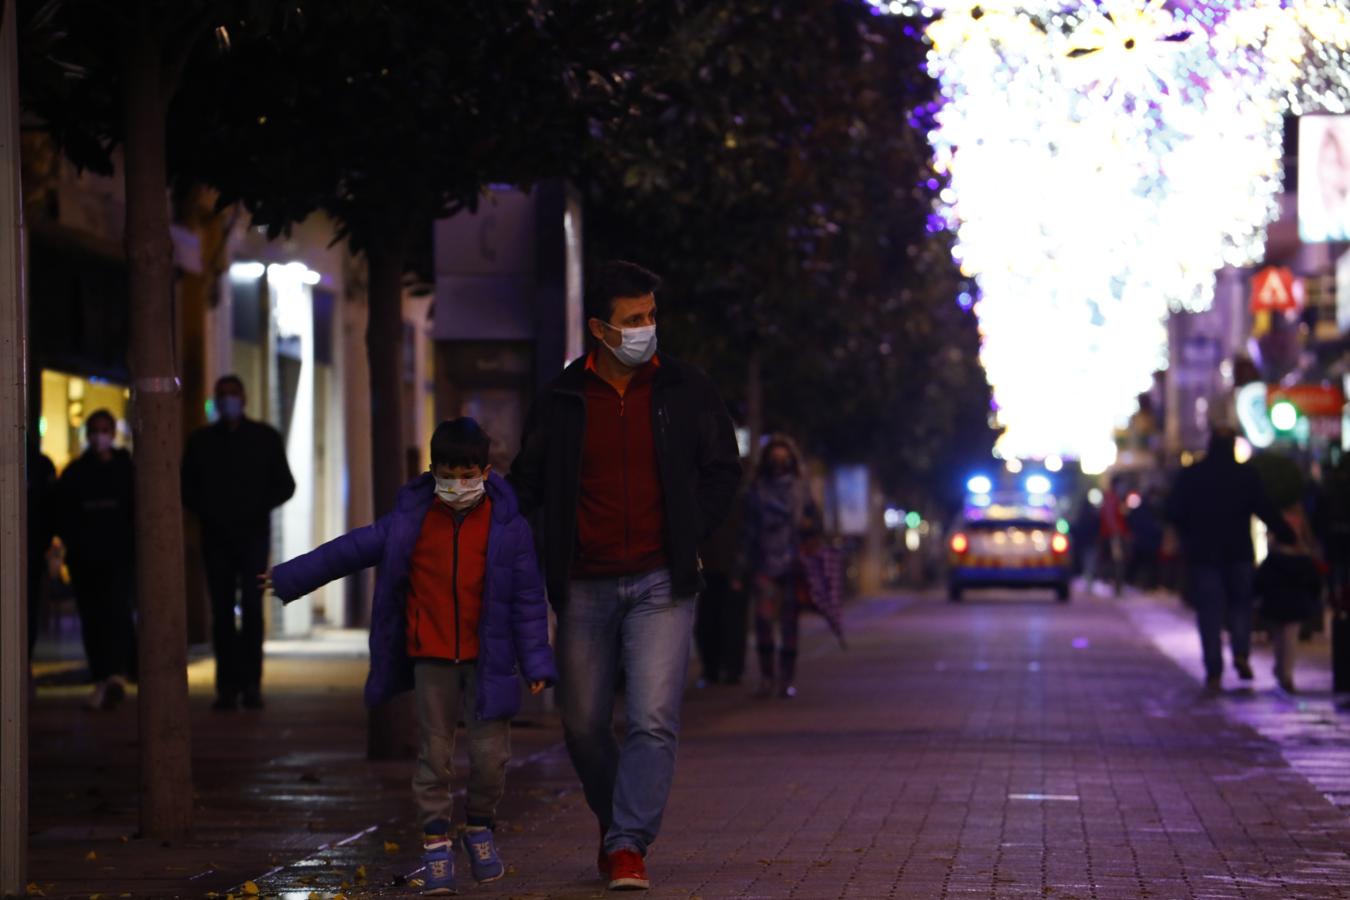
(1059, 543)
(960, 543)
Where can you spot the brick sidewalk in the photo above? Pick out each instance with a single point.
(1004, 747)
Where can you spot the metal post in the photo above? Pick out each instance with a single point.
(13, 495)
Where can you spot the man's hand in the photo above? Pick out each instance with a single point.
(265, 581)
(537, 687)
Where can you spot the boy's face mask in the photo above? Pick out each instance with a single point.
(460, 493)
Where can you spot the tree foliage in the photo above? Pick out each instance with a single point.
(781, 178)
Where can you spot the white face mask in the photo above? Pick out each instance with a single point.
(101, 442)
(460, 493)
(638, 347)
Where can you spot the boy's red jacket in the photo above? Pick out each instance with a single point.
(513, 627)
(445, 583)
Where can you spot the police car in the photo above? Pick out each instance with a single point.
(1009, 539)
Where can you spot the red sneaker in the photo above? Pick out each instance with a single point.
(627, 871)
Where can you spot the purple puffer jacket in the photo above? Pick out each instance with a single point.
(513, 631)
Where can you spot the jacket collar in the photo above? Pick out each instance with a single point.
(573, 378)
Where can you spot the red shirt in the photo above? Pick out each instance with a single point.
(621, 514)
(445, 583)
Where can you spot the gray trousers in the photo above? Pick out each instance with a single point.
(446, 691)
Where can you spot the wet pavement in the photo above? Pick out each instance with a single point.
(1007, 746)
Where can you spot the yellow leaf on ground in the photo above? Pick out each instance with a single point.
(34, 891)
(361, 873)
(125, 839)
(91, 855)
(250, 889)
(390, 847)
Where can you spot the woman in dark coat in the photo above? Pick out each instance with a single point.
(779, 514)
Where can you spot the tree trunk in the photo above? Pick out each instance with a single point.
(391, 734)
(165, 738)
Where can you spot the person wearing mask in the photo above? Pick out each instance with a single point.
(779, 515)
(96, 525)
(1211, 506)
(630, 460)
(234, 474)
(459, 617)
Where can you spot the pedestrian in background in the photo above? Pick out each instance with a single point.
(459, 615)
(234, 474)
(779, 515)
(1112, 532)
(1289, 584)
(722, 620)
(1145, 527)
(1211, 507)
(631, 460)
(96, 524)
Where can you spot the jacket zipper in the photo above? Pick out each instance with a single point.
(454, 584)
(623, 464)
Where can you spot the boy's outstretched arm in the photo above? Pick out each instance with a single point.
(340, 557)
(529, 612)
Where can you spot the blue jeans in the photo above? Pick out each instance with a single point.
(634, 624)
(1222, 597)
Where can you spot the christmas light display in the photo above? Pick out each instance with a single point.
(1103, 160)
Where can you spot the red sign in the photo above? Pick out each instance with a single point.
(1275, 289)
(1312, 400)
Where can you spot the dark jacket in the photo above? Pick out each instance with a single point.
(513, 629)
(696, 454)
(1212, 505)
(95, 512)
(234, 477)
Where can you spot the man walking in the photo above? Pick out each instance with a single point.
(1212, 505)
(234, 474)
(632, 460)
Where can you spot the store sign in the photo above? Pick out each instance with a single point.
(1275, 289)
(1312, 400)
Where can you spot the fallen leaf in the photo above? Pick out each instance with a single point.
(315, 895)
(250, 888)
(91, 855)
(390, 847)
(34, 891)
(308, 879)
(94, 896)
(126, 838)
(360, 873)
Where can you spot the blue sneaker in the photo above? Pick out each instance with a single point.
(484, 862)
(439, 873)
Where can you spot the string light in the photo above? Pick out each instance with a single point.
(1104, 159)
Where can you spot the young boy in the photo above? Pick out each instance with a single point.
(459, 615)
